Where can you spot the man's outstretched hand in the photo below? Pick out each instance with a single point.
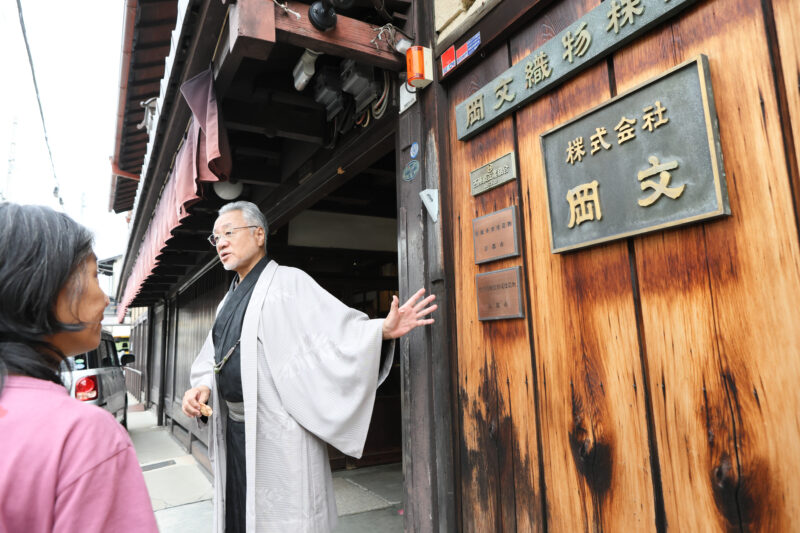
(403, 318)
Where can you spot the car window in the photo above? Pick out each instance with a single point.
(112, 352)
(104, 356)
(84, 361)
(107, 357)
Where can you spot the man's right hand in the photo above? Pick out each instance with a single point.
(193, 398)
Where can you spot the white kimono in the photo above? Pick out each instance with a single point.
(310, 368)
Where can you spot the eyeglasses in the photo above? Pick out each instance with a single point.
(215, 239)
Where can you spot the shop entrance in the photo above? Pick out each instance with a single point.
(347, 242)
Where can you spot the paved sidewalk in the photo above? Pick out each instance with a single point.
(368, 499)
(180, 489)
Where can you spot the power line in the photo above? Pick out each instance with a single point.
(12, 154)
(56, 191)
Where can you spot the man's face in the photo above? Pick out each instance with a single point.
(243, 248)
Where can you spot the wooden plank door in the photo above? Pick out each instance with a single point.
(592, 404)
(660, 393)
(719, 308)
(498, 440)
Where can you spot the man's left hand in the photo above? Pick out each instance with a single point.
(402, 319)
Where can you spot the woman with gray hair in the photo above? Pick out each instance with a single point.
(55, 452)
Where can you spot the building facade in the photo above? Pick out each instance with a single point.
(603, 196)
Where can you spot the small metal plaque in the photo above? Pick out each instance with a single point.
(499, 294)
(582, 44)
(644, 161)
(491, 175)
(411, 170)
(495, 235)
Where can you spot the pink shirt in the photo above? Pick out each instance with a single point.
(66, 466)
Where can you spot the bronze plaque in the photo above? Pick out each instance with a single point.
(646, 160)
(495, 235)
(499, 294)
(491, 175)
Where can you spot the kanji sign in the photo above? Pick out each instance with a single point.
(653, 161)
(586, 41)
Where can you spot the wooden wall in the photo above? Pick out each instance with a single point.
(653, 384)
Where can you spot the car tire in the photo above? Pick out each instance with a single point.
(125, 414)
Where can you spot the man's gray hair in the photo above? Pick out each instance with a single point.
(251, 213)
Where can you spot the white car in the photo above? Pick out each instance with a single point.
(96, 377)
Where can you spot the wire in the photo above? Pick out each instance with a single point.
(287, 9)
(56, 192)
(379, 107)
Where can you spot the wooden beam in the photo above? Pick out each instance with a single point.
(248, 32)
(350, 38)
(151, 286)
(145, 81)
(306, 125)
(169, 270)
(257, 152)
(354, 153)
(256, 171)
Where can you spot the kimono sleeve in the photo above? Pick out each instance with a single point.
(324, 358)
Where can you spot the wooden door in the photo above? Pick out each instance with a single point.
(653, 383)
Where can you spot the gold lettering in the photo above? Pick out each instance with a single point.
(501, 91)
(584, 204)
(475, 110)
(624, 129)
(537, 70)
(577, 45)
(659, 187)
(650, 112)
(597, 140)
(575, 151)
(622, 13)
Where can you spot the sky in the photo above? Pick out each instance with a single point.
(76, 52)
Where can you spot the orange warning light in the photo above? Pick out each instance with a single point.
(419, 66)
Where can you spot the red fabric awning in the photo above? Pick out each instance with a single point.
(204, 156)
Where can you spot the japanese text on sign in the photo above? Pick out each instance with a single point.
(652, 160)
(595, 35)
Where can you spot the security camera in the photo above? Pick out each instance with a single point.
(322, 13)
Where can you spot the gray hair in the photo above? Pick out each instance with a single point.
(50, 251)
(251, 213)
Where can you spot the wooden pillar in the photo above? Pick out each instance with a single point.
(427, 354)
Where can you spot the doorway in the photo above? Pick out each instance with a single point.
(347, 242)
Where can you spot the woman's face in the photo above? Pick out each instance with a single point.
(84, 308)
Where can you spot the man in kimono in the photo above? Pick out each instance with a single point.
(287, 368)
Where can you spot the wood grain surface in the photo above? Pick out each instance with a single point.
(593, 414)
(719, 312)
(784, 45)
(663, 391)
(499, 457)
